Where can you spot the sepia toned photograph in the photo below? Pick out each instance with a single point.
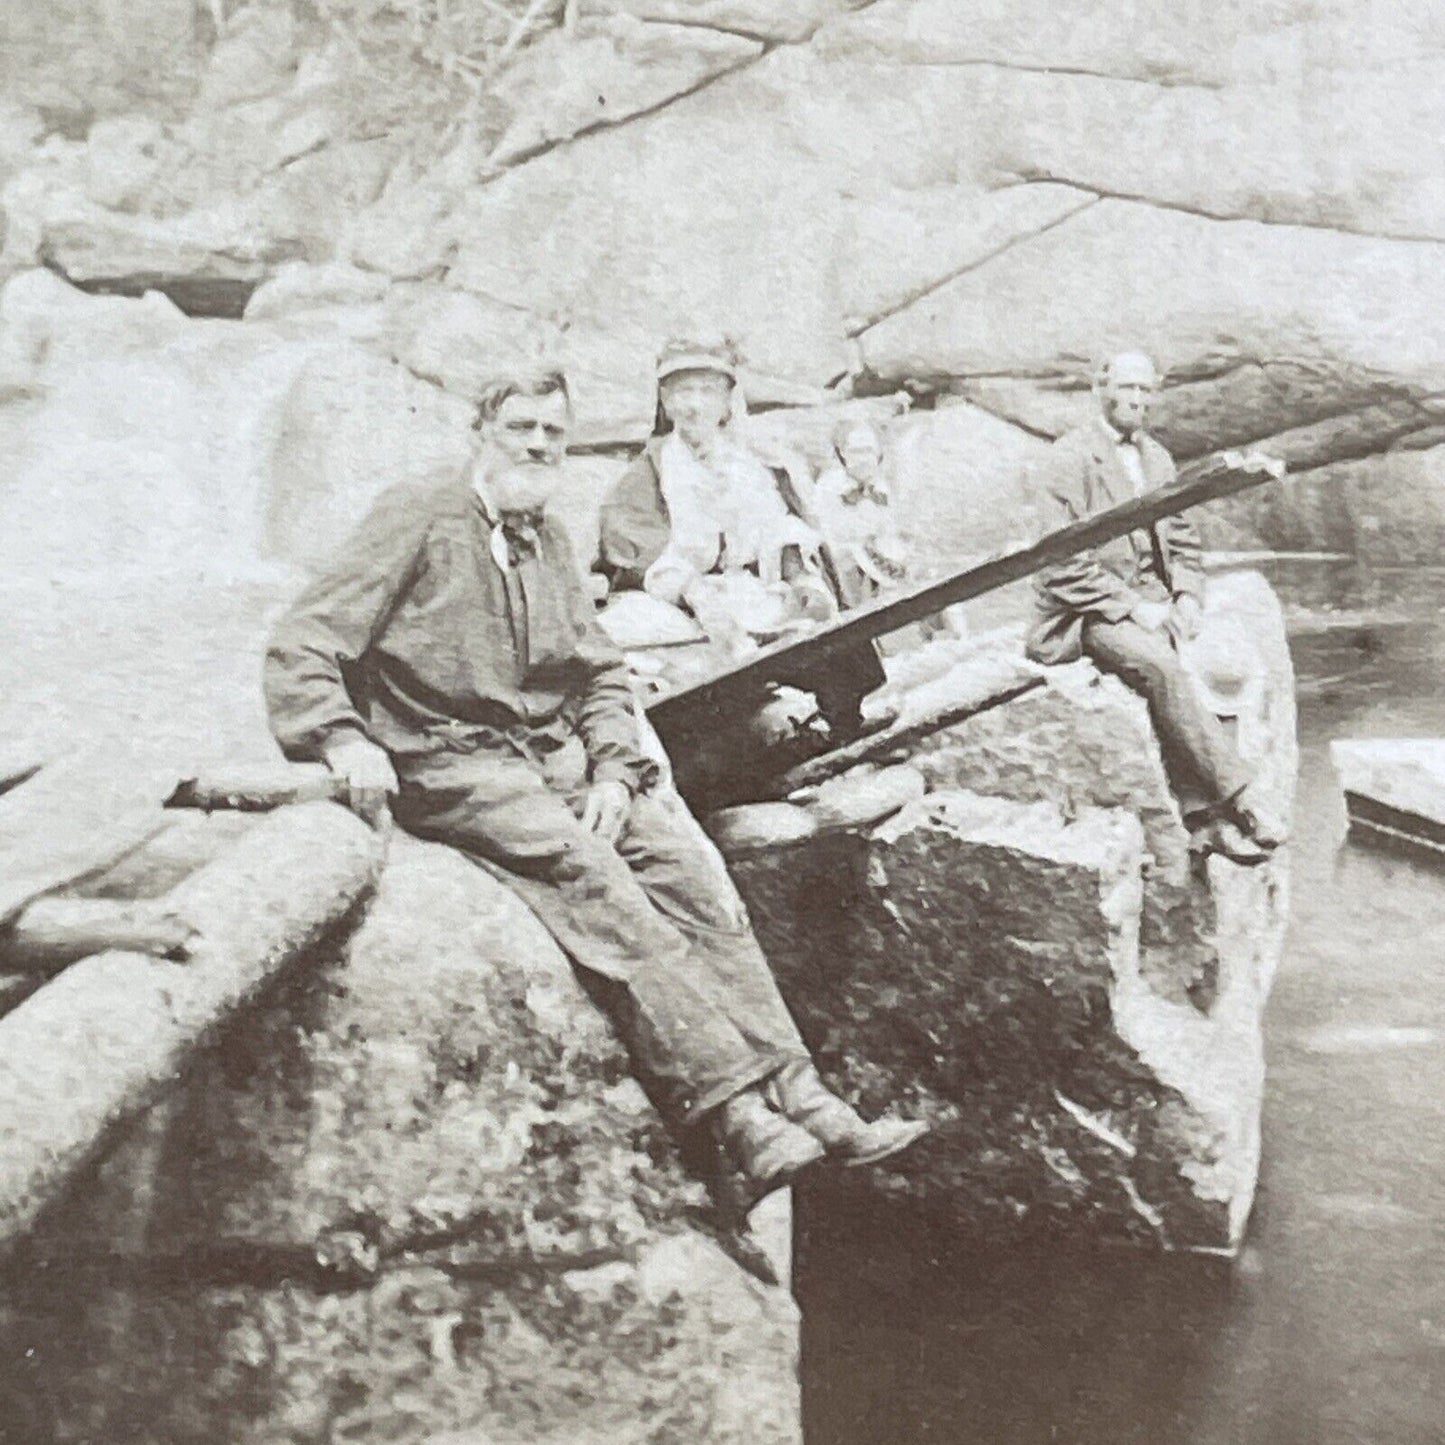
(721, 722)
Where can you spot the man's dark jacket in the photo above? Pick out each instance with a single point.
(1083, 475)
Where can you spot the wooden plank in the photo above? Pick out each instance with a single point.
(1220, 476)
(104, 1039)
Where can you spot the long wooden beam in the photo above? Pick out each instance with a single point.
(1218, 476)
(102, 1040)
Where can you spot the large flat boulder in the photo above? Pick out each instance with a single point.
(976, 961)
(418, 1195)
(1029, 956)
(1100, 749)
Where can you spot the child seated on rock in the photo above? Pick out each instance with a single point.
(852, 508)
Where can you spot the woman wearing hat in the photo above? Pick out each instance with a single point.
(700, 522)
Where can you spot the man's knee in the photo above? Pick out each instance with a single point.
(680, 868)
(534, 833)
(1145, 660)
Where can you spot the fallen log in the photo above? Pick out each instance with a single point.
(51, 933)
(260, 788)
(102, 1040)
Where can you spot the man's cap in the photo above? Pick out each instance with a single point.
(684, 355)
(1134, 364)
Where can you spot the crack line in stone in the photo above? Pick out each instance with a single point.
(1013, 421)
(913, 298)
(983, 62)
(546, 147)
(769, 47)
(1158, 203)
(740, 31)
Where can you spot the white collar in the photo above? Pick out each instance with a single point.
(1117, 437)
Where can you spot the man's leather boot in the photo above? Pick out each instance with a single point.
(1220, 836)
(1256, 822)
(764, 1147)
(804, 1098)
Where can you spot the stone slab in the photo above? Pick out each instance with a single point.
(417, 1195)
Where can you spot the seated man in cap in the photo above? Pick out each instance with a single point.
(448, 659)
(1131, 605)
(700, 523)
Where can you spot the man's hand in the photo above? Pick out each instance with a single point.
(1153, 616)
(605, 807)
(1186, 617)
(369, 776)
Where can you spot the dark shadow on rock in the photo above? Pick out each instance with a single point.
(908, 1327)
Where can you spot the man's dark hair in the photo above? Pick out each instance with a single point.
(545, 382)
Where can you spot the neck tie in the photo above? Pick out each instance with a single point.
(863, 492)
(514, 538)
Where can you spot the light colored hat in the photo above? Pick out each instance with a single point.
(682, 355)
(1225, 667)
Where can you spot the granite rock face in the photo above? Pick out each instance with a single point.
(919, 197)
(1100, 751)
(417, 1196)
(203, 448)
(1029, 957)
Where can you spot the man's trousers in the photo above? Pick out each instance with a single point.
(1203, 766)
(655, 917)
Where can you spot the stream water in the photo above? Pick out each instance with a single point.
(1330, 1328)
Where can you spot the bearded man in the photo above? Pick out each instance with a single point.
(448, 665)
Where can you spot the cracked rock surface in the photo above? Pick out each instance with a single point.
(416, 1195)
(918, 196)
(1026, 957)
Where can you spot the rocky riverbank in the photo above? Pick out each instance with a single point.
(323, 227)
(1028, 956)
(412, 1194)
